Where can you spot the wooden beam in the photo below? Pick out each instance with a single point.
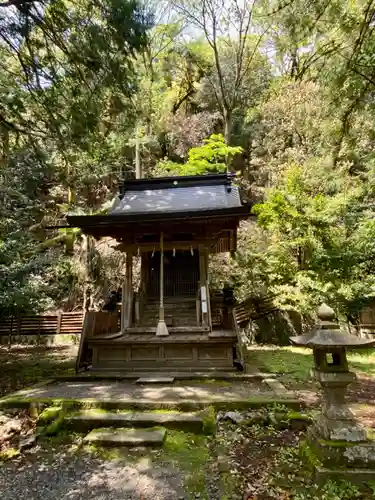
(203, 287)
(129, 232)
(127, 299)
(123, 305)
(207, 287)
(168, 246)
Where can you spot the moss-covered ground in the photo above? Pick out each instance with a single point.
(257, 458)
(247, 460)
(293, 364)
(23, 366)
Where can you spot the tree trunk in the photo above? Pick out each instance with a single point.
(227, 125)
(4, 133)
(138, 166)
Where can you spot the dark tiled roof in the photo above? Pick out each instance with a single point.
(177, 200)
(178, 194)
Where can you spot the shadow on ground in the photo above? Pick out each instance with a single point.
(64, 475)
(23, 366)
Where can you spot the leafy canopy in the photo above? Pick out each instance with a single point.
(213, 156)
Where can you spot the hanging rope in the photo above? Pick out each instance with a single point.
(161, 273)
(161, 329)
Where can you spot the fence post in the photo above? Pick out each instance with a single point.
(39, 330)
(59, 320)
(19, 325)
(11, 331)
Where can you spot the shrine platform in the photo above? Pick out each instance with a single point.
(139, 351)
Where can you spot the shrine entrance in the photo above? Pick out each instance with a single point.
(181, 273)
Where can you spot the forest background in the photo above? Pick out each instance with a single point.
(280, 92)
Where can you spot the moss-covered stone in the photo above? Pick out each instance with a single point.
(87, 420)
(308, 455)
(209, 421)
(56, 425)
(282, 420)
(9, 454)
(296, 415)
(298, 421)
(258, 417)
(334, 454)
(48, 415)
(185, 405)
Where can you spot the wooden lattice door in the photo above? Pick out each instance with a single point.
(181, 274)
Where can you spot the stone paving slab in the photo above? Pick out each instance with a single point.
(180, 375)
(357, 476)
(126, 437)
(90, 419)
(126, 391)
(155, 380)
(114, 394)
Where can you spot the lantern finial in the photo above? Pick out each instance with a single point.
(326, 313)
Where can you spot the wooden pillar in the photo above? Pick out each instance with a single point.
(127, 294)
(208, 287)
(161, 329)
(123, 305)
(204, 291)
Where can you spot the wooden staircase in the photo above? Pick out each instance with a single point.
(178, 311)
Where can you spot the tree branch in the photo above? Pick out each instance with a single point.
(16, 3)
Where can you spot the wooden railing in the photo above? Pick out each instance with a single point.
(243, 313)
(37, 328)
(96, 324)
(254, 308)
(367, 319)
(140, 302)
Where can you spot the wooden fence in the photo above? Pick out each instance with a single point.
(41, 329)
(367, 318)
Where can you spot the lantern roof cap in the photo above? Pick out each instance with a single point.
(328, 334)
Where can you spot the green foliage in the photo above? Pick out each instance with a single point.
(190, 453)
(326, 237)
(340, 491)
(209, 421)
(213, 156)
(78, 84)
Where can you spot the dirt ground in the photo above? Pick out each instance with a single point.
(244, 462)
(23, 366)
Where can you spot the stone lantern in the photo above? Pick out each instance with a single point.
(337, 444)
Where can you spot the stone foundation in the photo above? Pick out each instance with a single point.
(352, 461)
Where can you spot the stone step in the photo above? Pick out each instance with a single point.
(177, 299)
(171, 307)
(155, 380)
(162, 368)
(231, 375)
(126, 437)
(87, 420)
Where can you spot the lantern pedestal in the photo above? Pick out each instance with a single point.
(337, 445)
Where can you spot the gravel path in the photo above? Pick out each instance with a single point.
(61, 475)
